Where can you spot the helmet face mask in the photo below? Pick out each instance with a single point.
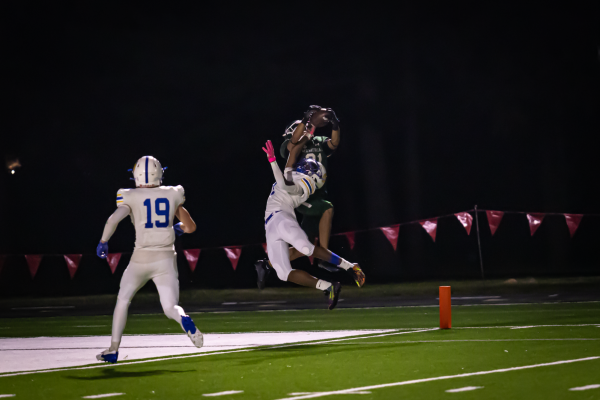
(313, 169)
(147, 172)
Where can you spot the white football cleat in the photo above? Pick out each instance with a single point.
(193, 333)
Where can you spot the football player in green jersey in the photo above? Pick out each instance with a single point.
(317, 212)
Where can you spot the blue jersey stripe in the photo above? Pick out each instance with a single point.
(146, 169)
(310, 190)
(119, 198)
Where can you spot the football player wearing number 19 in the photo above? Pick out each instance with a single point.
(152, 208)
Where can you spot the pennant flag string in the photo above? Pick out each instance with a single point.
(390, 232)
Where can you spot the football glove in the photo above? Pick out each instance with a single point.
(270, 151)
(178, 230)
(102, 250)
(333, 119)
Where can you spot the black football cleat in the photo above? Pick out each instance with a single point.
(333, 294)
(262, 272)
(327, 266)
(357, 275)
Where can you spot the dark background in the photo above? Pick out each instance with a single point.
(440, 109)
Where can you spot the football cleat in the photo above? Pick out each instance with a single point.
(327, 266)
(108, 356)
(357, 275)
(333, 294)
(193, 333)
(262, 272)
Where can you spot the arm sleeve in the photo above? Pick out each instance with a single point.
(113, 221)
(293, 189)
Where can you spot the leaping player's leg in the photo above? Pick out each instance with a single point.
(134, 277)
(167, 284)
(284, 230)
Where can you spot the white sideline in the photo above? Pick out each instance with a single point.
(464, 389)
(437, 378)
(588, 387)
(100, 396)
(223, 393)
(105, 365)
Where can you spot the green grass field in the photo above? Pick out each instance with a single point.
(397, 364)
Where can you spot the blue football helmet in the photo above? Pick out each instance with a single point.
(307, 166)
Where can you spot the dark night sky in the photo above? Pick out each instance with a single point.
(440, 109)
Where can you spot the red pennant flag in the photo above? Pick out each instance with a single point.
(391, 233)
(573, 221)
(535, 220)
(264, 245)
(72, 263)
(33, 261)
(2, 259)
(113, 261)
(430, 226)
(466, 220)
(494, 218)
(350, 237)
(233, 253)
(192, 256)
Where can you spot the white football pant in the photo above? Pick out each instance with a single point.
(283, 230)
(161, 267)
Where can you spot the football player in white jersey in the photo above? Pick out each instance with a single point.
(152, 208)
(289, 191)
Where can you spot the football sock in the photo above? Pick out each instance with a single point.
(114, 346)
(340, 262)
(323, 285)
(334, 259)
(345, 265)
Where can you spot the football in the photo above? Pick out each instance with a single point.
(319, 118)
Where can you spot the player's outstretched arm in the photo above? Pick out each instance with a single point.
(110, 227)
(295, 153)
(303, 129)
(334, 142)
(187, 224)
(287, 185)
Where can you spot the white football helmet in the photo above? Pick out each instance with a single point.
(321, 176)
(147, 172)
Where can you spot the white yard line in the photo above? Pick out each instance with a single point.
(464, 389)
(305, 343)
(223, 393)
(7, 395)
(437, 378)
(588, 387)
(100, 396)
(471, 340)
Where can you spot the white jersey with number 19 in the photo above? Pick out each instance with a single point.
(152, 213)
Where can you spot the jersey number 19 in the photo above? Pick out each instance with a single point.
(160, 212)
